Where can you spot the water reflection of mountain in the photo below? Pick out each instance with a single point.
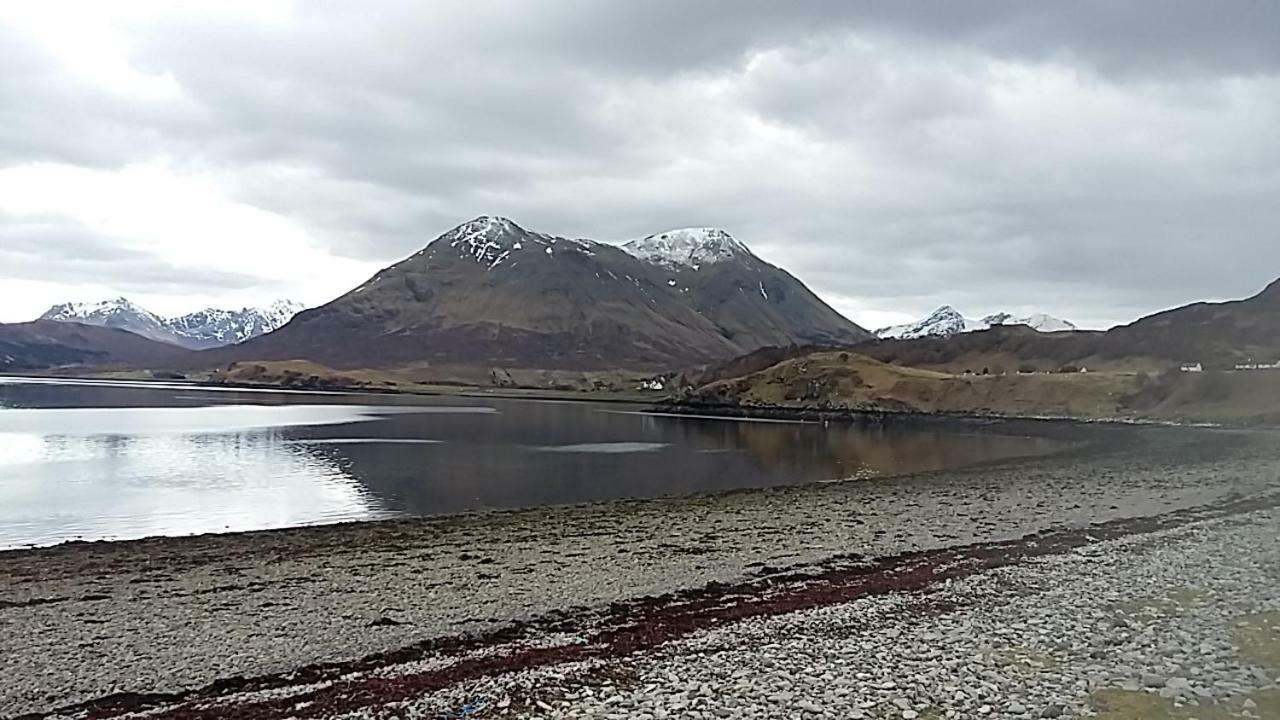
(93, 461)
(503, 461)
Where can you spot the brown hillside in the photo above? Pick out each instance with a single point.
(490, 293)
(844, 381)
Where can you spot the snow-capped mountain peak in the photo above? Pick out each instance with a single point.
(207, 328)
(119, 313)
(213, 326)
(943, 322)
(686, 247)
(947, 321)
(103, 309)
(279, 312)
(490, 240)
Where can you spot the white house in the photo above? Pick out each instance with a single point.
(1258, 366)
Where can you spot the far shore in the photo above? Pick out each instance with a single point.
(651, 400)
(637, 397)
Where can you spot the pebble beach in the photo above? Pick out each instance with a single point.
(1135, 575)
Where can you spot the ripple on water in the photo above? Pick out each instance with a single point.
(610, 447)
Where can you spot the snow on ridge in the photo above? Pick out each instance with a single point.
(687, 247)
(233, 326)
(943, 322)
(1036, 321)
(202, 327)
(947, 321)
(491, 239)
(102, 309)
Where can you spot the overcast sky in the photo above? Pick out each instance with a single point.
(1093, 160)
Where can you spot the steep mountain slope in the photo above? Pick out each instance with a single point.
(195, 331)
(45, 344)
(492, 293)
(947, 321)
(751, 302)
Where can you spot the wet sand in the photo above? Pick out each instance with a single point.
(85, 622)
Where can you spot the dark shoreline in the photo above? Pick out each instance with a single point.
(668, 405)
(815, 414)
(429, 389)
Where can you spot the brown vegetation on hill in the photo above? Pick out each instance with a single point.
(302, 375)
(844, 381)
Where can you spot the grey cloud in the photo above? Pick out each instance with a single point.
(56, 250)
(901, 154)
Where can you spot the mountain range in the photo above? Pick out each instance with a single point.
(200, 330)
(1215, 335)
(947, 321)
(490, 292)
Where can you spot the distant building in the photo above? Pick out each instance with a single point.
(1192, 367)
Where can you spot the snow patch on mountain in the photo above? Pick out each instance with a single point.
(490, 240)
(947, 321)
(686, 247)
(1038, 321)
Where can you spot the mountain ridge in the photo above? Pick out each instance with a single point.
(203, 329)
(946, 321)
(491, 292)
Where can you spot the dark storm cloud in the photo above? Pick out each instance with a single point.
(1097, 160)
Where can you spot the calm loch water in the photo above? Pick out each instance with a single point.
(104, 460)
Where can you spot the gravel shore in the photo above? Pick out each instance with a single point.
(1176, 624)
(173, 625)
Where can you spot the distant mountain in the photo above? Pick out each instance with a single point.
(947, 321)
(45, 344)
(1039, 322)
(1216, 335)
(215, 328)
(195, 331)
(492, 293)
(119, 313)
